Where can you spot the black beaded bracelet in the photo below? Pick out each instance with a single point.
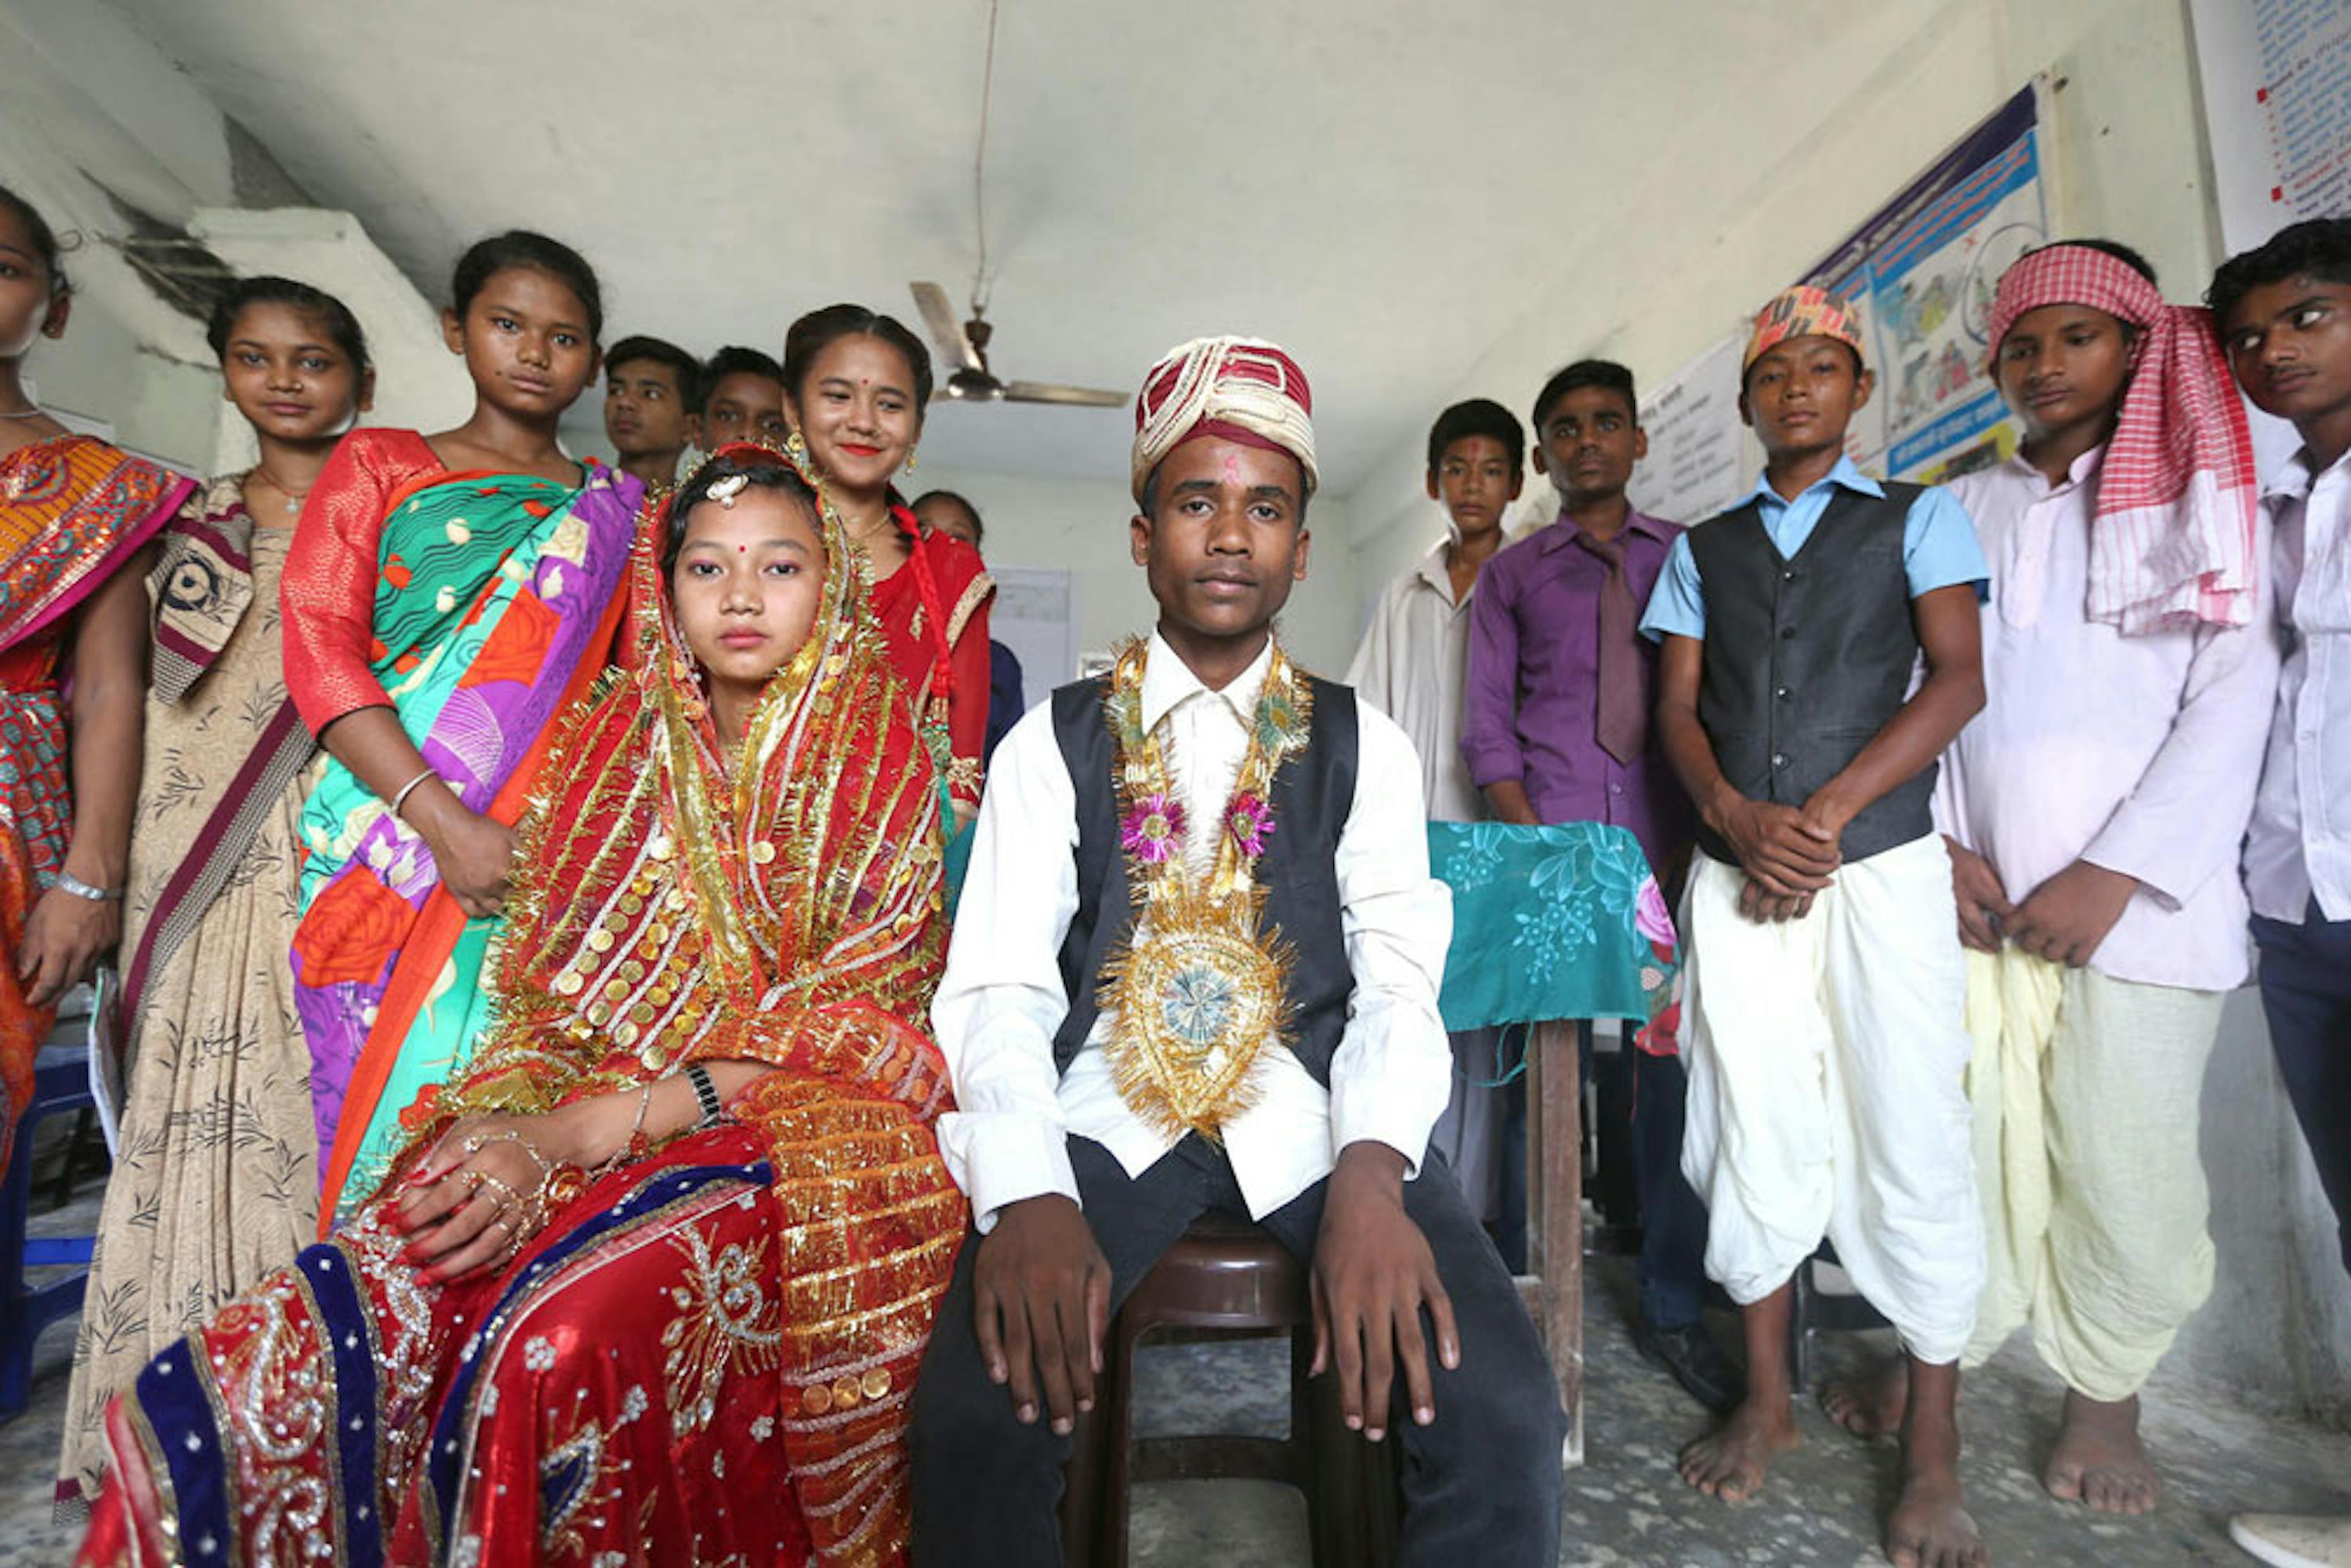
(705, 1094)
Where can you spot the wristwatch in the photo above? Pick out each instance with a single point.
(68, 883)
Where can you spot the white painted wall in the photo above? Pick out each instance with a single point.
(1765, 181)
(1080, 526)
(92, 110)
(1773, 171)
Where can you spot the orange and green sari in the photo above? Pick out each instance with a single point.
(498, 601)
(72, 511)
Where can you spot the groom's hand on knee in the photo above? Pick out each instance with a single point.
(1373, 1273)
(1040, 1296)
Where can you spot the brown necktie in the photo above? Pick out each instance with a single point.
(1623, 723)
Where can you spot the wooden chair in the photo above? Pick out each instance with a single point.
(1226, 1275)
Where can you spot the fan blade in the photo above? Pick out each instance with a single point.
(1073, 397)
(940, 316)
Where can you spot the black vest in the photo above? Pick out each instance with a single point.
(1313, 794)
(1807, 659)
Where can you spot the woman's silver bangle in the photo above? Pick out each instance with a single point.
(68, 883)
(402, 799)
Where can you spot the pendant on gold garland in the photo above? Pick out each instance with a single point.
(1195, 997)
(1200, 990)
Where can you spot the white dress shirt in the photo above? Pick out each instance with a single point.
(1002, 998)
(2138, 754)
(2300, 846)
(1412, 666)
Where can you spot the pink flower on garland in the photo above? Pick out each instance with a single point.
(1250, 822)
(1155, 828)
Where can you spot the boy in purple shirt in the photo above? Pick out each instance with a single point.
(1555, 730)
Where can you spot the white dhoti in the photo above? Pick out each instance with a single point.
(1826, 1062)
(2086, 1092)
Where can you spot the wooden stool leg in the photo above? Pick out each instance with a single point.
(1555, 1211)
(1115, 1407)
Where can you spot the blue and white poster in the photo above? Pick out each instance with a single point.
(1920, 272)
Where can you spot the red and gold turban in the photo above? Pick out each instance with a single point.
(1804, 311)
(1234, 388)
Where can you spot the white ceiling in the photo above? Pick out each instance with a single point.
(1375, 185)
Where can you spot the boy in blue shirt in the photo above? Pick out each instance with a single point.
(1822, 1022)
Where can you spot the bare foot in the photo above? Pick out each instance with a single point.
(1728, 1462)
(1930, 1527)
(2099, 1461)
(1871, 1406)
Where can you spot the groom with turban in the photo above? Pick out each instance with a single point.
(1196, 968)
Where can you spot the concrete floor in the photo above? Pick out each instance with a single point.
(1624, 1506)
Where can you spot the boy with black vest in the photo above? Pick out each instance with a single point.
(1196, 967)
(1822, 1020)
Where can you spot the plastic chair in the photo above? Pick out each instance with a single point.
(60, 1084)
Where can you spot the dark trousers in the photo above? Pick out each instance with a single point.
(1672, 1267)
(1481, 1483)
(2305, 974)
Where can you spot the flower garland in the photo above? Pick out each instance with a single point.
(1197, 989)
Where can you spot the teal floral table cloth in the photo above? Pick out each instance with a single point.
(1558, 922)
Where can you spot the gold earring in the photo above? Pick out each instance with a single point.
(910, 460)
(796, 448)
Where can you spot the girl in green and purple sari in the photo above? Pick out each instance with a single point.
(445, 598)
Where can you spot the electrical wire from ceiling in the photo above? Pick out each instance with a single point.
(980, 280)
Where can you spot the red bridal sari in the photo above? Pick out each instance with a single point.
(72, 510)
(709, 1356)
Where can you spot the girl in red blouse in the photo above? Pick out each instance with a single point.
(855, 383)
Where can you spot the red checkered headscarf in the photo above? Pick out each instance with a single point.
(2173, 544)
(1235, 388)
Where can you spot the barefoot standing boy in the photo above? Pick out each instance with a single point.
(2094, 813)
(1823, 1014)
(1171, 860)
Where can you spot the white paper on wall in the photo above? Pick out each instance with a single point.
(1698, 464)
(2277, 107)
(1036, 615)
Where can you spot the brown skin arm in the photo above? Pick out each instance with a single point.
(1372, 1275)
(65, 936)
(474, 854)
(1041, 1304)
(1786, 855)
(458, 1225)
(1506, 799)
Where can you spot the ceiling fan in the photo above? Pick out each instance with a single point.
(964, 347)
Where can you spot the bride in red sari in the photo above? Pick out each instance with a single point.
(651, 1283)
